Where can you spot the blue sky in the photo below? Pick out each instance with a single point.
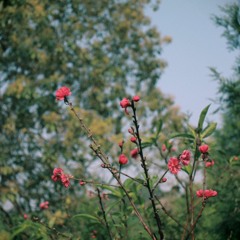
(197, 45)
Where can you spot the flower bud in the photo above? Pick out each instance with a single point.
(134, 153)
(120, 144)
(123, 159)
(133, 139)
(136, 98)
(164, 180)
(131, 130)
(164, 148)
(82, 183)
(203, 148)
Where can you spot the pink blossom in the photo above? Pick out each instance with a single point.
(44, 205)
(209, 164)
(57, 172)
(185, 157)
(136, 98)
(62, 92)
(164, 148)
(65, 180)
(134, 153)
(58, 175)
(203, 148)
(206, 193)
(123, 159)
(174, 165)
(133, 139)
(125, 103)
(25, 216)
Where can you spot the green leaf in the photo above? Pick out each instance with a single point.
(209, 130)
(146, 144)
(114, 192)
(88, 216)
(192, 130)
(181, 135)
(202, 117)
(187, 169)
(159, 127)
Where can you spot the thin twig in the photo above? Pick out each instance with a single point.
(159, 181)
(104, 214)
(169, 215)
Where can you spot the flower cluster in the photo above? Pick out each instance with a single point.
(59, 175)
(44, 205)
(125, 103)
(206, 193)
(174, 164)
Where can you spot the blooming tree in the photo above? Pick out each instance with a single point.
(184, 161)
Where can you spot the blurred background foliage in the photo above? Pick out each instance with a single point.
(102, 53)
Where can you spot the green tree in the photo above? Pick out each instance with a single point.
(103, 53)
(225, 174)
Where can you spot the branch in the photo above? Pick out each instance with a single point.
(104, 214)
(103, 157)
(144, 166)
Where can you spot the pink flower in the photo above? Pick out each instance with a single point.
(133, 139)
(58, 175)
(44, 205)
(124, 104)
(206, 193)
(25, 216)
(185, 157)
(134, 153)
(174, 165)
(164, 148)
(65, 180)
(57, 172)
(209, 164)
(123, 159)
(203, 148)
(62, 92)
(136, 98)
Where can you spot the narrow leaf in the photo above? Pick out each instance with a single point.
(84, 215)
(209, 130)
(187, 169)
(202, 117)
(192, 130)
(146, 144)
(159, 127)
(181, 135)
